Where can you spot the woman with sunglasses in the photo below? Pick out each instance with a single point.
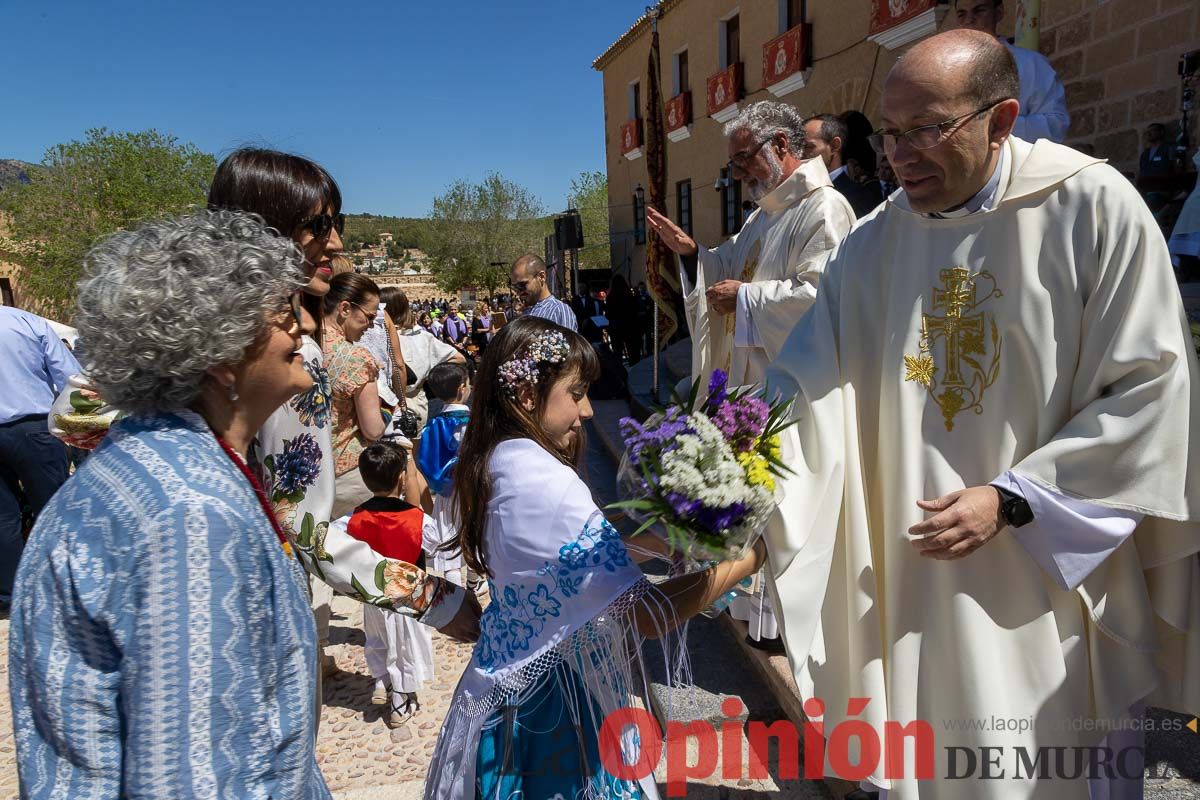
(294, 449)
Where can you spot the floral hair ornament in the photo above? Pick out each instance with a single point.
(547, 348)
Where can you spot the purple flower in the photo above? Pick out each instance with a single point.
(638, 437)
(720, 519)
(716, 388)
(683, 505)
(742, 421)
(713, 520)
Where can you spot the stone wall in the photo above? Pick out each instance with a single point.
(1117, 60)
(416, 287)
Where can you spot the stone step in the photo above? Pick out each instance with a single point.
(675, 365)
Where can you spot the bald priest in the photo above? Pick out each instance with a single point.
(995, 512)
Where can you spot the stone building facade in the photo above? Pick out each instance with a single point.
(1116, 58)
(1118, 61)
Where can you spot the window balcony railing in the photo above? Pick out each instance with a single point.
(678, 116)
(895, 25)
(631, 139)
(786, 59)
(724, 91)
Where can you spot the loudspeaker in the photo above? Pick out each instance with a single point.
(568, 231)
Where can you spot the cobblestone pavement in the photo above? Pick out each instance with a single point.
(360, 757)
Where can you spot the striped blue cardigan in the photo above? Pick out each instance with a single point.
(161, 642)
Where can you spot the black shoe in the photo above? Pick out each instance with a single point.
(766, 645)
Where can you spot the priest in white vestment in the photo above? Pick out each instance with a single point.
(997, 492)
(1043, 99)
(743, 297)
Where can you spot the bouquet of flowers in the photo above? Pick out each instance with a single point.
(79, 417)
(704, 472)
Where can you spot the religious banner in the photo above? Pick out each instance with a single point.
(784, 55)
(661, 275)
(724, 88)
(631, 136)
(890, 13)
(679, 111)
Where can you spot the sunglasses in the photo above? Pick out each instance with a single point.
(520, 286)
(322, 224)
(297, 310)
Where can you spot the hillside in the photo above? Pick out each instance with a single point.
(365, 229)
(13, 171)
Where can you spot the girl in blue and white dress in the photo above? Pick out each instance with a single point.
(569, 606)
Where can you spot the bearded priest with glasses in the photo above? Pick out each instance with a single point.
(995, 511)
(744, 296)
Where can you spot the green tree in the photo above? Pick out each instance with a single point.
(589, 195)
(88, 189)
(476, 230)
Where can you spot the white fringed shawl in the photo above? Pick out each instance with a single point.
(564, 591)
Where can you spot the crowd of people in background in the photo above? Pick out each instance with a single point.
(617, 315)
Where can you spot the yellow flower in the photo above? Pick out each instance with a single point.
(757, 468)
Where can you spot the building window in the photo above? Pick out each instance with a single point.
(731, 203)
(680, 73)
(635, 100)
(731, 52)
(791, 14)
(683, 201)
(639, 220)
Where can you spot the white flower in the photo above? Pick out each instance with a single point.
(703, 467)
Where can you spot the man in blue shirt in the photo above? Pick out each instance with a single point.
(528, 279)
(34, 368)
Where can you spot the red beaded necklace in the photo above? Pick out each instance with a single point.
(259, 492)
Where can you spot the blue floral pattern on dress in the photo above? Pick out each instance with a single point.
(520, 612)
(313, 405)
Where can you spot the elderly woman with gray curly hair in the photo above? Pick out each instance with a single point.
(161, 642)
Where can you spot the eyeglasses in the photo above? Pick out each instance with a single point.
(925, 136)
(740, 160)
(322, 224)
(370, 317)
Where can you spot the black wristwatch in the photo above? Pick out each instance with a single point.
(1013, 508)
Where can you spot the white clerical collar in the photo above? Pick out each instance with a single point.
(810, 175)
(833, 176)
(984, 200)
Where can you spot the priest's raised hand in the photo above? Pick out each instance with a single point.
(671, 234)
(722, 296)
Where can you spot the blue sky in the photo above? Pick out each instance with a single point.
(397, 99)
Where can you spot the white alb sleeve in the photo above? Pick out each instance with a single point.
(744, 332)
(1068, 538)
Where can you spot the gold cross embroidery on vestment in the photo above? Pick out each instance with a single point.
(968, 369)
(748, 271)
